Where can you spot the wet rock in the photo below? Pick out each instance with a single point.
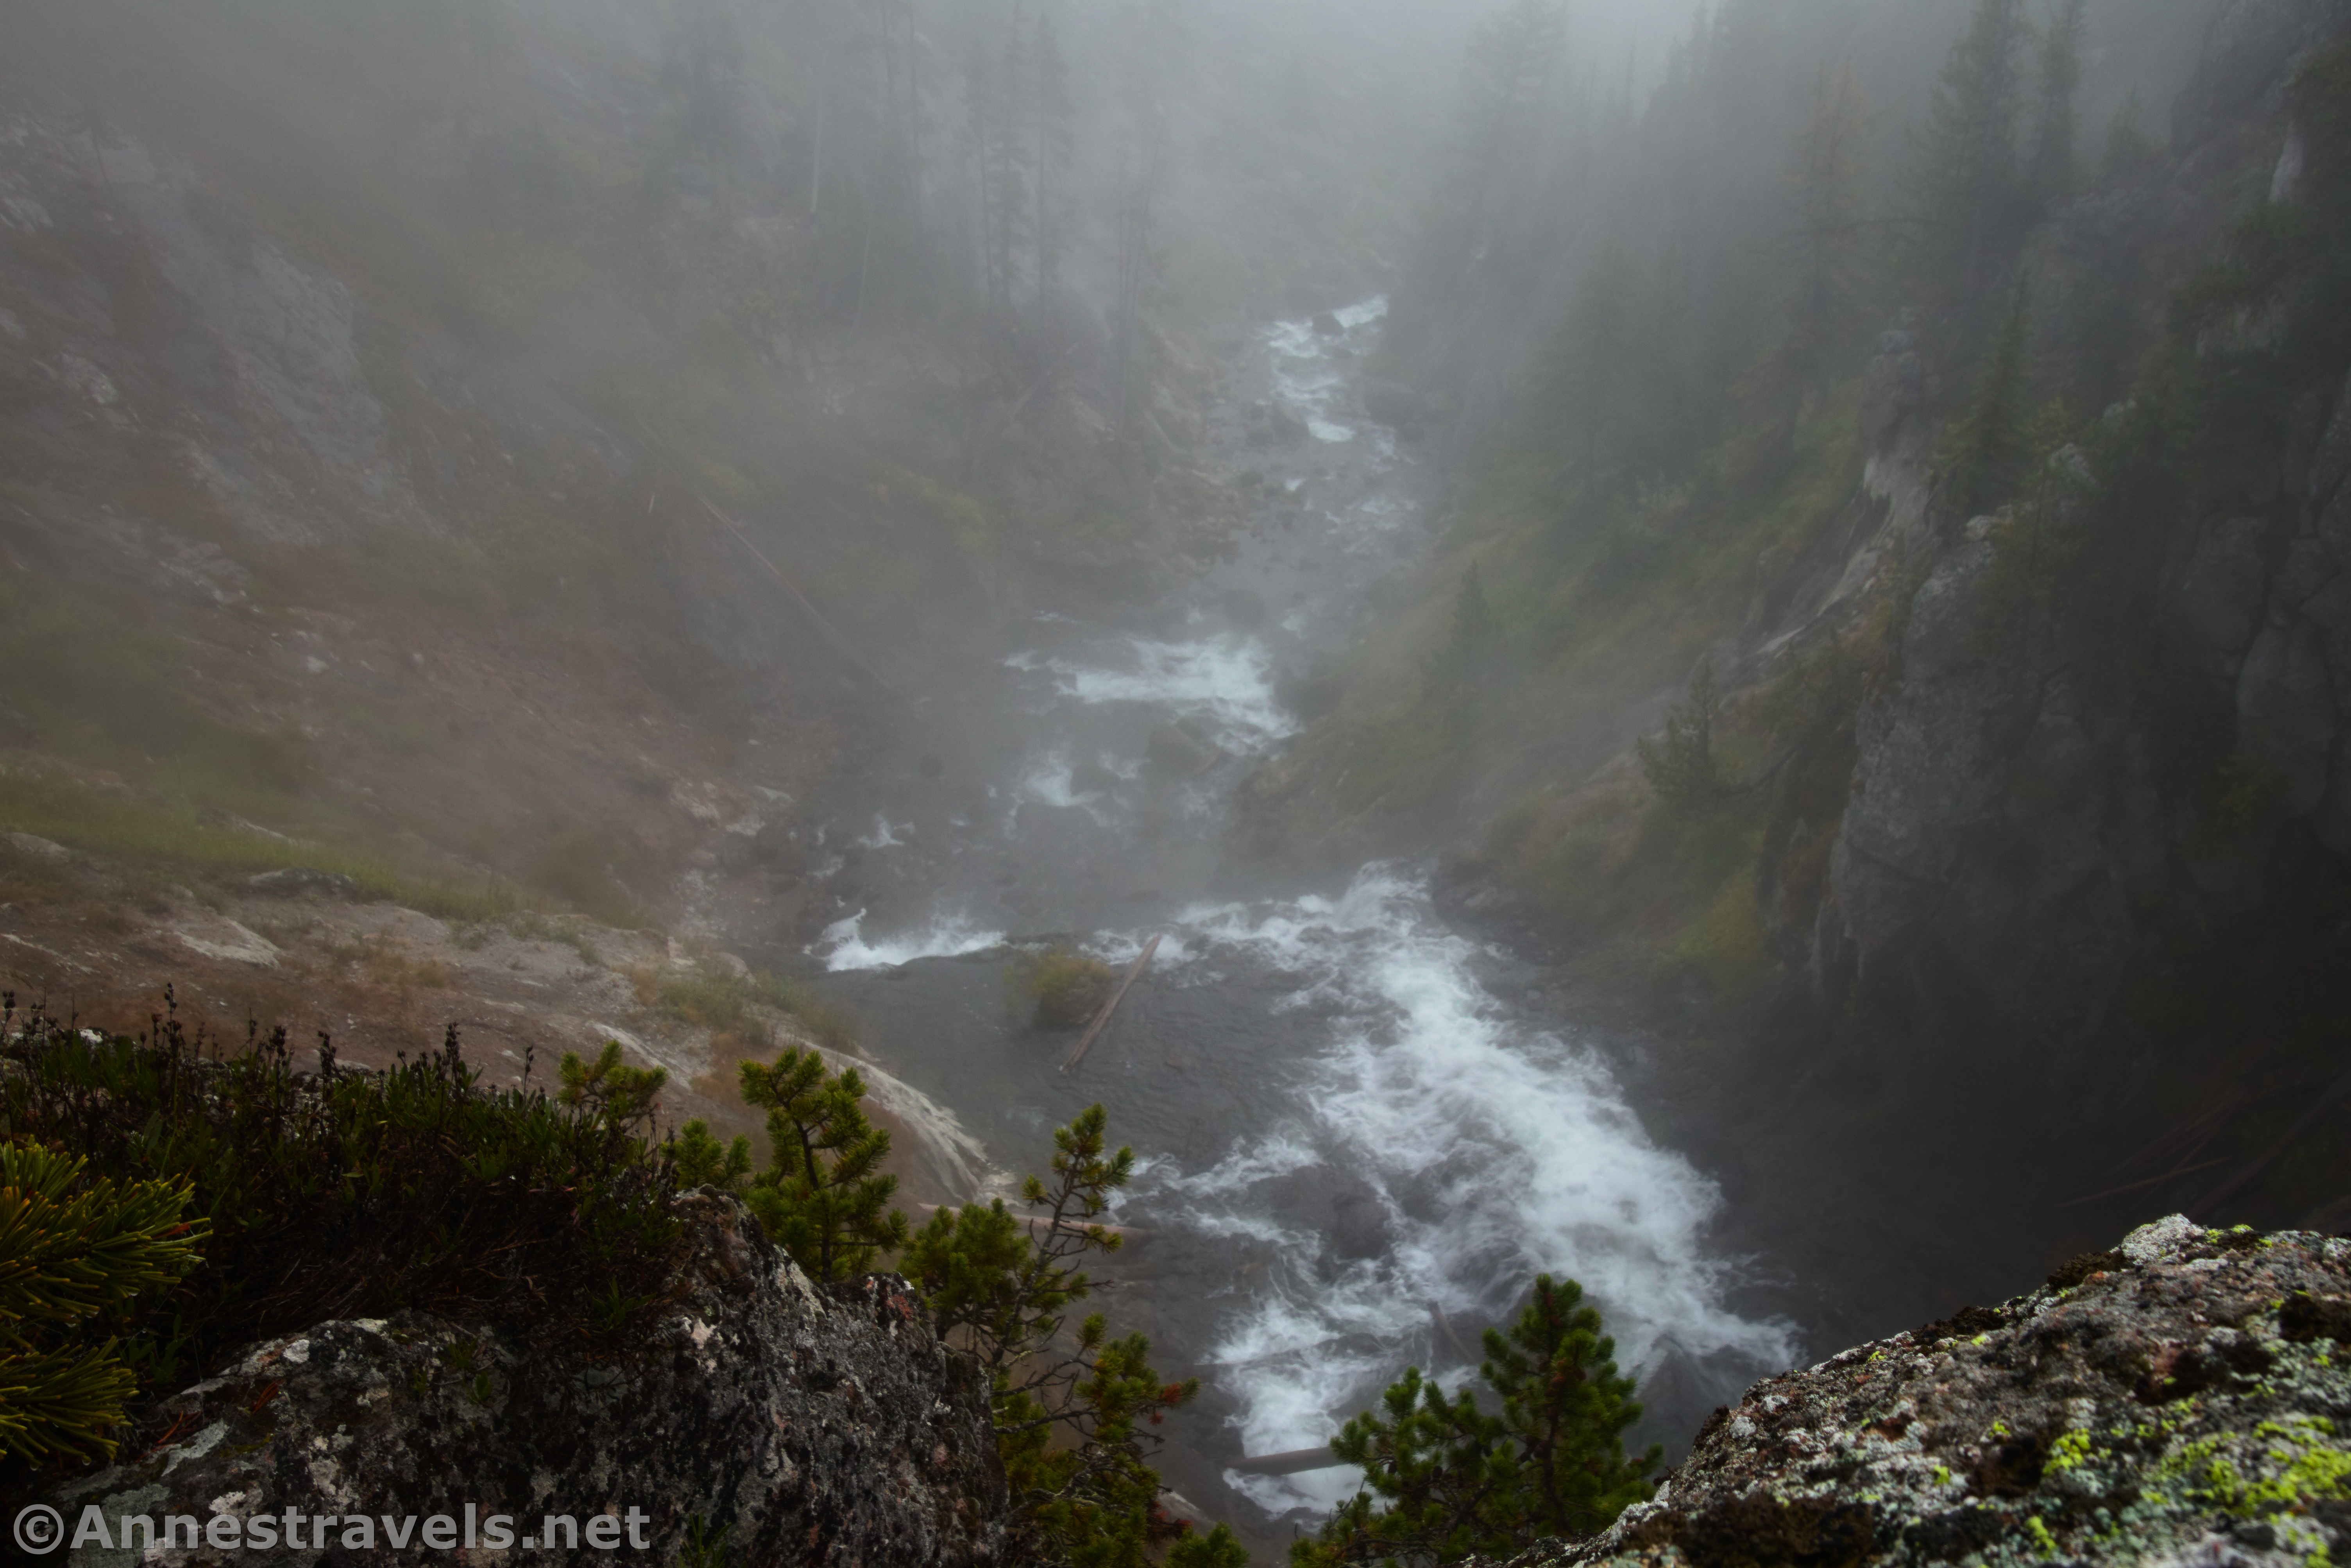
(807, 1427)
(1091, 777)
(303, 882)
(1243, 608)
(1314, 693)
(777, 849)
(2177, 1407)
(1178, 749)
(1270, 424)
(1359, 1225)
(31, 847)
(228, 942)
(1395, 405)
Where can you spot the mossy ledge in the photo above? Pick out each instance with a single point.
(2183, 1400)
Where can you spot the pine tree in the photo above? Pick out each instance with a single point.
(1000, 98)
(1055, 153)
(1969, 183)
(1444, 1479)
(610, 1091)
(1142, 169)
(1986, 453)
(699, 1159)
(1567, 1408)
(1593, 361)
(1468, 657)
(1072, 1406)
(2059, 77)
(1680, 764)
(1438, 1480)
(1828, 180)
(824, 1197)
(1506, 81)
(71, 1250)
(2128, 146)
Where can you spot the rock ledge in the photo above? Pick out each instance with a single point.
(808, 1427)
(2183, 1400)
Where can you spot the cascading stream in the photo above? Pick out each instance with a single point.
(1359, 1147)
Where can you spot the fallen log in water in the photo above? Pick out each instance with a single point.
(1128, 1232)
(1102, 1018)
(1295, 1463)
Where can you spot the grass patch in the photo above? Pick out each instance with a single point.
(119, 824)
(737, 1005)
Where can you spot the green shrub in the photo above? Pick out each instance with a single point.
(1068, 987)
(74, 1252)
(347, 1194)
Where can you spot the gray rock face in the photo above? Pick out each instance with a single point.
(2293, 695)
(2184, 1399)
(1996, 837)
(809, 1428)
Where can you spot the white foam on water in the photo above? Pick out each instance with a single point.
(1053, 782)
(1120, 947)
(845, 946)
(884, 836)
(1495, 1152)
(1328, 430)
(1227, 680)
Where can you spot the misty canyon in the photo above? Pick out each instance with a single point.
(1104, 782)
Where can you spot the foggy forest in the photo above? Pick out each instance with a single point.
(1089, 783)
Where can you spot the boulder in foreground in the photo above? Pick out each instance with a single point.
(2183, 1400)
(781, 1423)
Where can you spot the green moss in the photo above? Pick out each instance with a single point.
(1726, 946)
(1066, 987)
(2043, 1543)
(733, 1003)
(2068, 1452)
(121, 823)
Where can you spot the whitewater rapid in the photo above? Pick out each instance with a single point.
(1413, 1146)
(1495, 1149)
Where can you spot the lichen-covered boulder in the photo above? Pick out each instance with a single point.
(757, 1416)
(2185, 1399)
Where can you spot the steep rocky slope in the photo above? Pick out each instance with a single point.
(484, 482)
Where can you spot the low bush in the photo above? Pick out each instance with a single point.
(345, 1193)
(1068, 987)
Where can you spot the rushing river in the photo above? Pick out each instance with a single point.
(1361, 1138)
